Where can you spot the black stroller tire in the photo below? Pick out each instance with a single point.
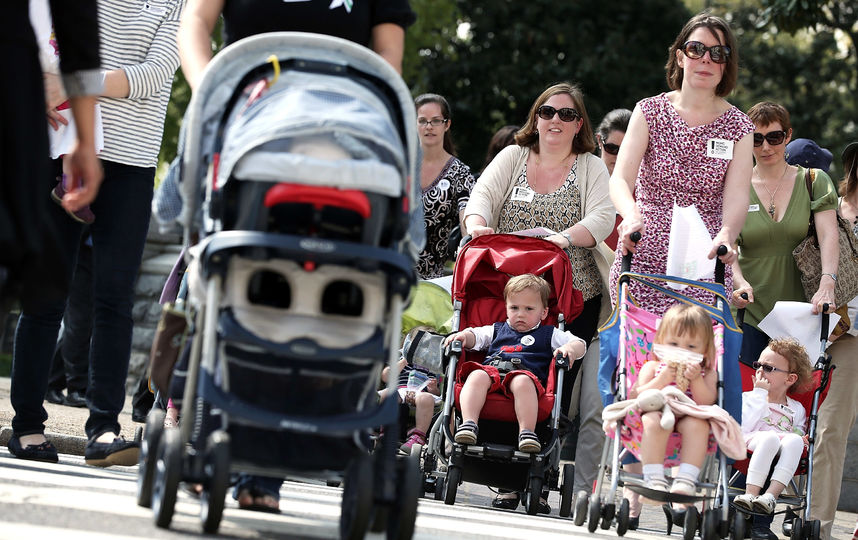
(580, 508)
(439, 488)
(594, 512)
(454, 476)
(567, 495)
(216, 484)
(168, 474)
(148, 452)
(709, 527)
(402, 515)
(740, 525)
(623, 517)
(689, 525)
(796, 533)
(357, 498)
(814, 529)
(534, 492)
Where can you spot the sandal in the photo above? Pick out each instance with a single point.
(506, 500)
(467, 433)
(528, 442)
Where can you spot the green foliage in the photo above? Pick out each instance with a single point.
(514, 49)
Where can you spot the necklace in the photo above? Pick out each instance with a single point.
(772, 194)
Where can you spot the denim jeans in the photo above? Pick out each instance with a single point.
(122, 211)
(70, 366)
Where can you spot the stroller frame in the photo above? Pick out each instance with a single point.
(602, 511)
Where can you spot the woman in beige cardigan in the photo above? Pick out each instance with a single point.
(551, 179)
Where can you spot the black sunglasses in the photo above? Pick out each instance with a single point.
(611, 148)
(767, 368)
(695, 50)
(567, 114)
(774, 138)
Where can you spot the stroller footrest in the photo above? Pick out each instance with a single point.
(501, 452)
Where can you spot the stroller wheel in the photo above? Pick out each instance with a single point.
(403, 513)
(623, 517)
(566, 493)
(148, 451)
(709, 528)
(594, 512)
(796, 529)
(580, 508)
(608, 513)
(689, 525)
(439, 488)
(786, 527)
(814, 530)
(454, 476)
(216, 481)
(168, 473)
(534, 492)
(740, 525)
(357, 498)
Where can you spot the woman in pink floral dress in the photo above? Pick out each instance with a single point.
(688, 146)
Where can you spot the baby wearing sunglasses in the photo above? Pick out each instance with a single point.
(774, 423)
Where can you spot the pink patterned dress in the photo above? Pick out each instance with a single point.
(675, 168)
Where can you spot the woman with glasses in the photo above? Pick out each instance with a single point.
(551, 179)
(610, 134)
(779, 210)
(446, 182)
(684, 147)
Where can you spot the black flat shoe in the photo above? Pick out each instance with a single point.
(634, 522)
(35, 452)
(55, 396)
(76, 399)
(118, 452)
(506, 503)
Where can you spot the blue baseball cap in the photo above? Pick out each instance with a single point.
(808, 154)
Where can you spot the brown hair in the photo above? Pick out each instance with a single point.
(799, 362)
(714, 25)
(523, 282)
(502, 138)
(423, 99)
(849, 184)
(683, 319)
(767, 112)
(582, 143)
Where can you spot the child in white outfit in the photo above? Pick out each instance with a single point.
(774, 423)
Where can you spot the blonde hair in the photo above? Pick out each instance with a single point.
(523, 282)
(683, 319)
(799, 361)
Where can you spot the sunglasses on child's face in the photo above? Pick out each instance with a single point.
(774, 138)
(695, 50)
(567, 114)
(767, 368)
(611, 148)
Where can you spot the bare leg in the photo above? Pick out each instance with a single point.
(695, 440)
(654, 439)
(473, 395)
(525, 401)
(424, 407)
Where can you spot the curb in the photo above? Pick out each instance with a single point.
(66, 444)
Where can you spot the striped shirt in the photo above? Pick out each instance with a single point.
(138, 36)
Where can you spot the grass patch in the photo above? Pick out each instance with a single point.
(5, 365)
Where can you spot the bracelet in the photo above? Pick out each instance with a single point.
(831, 275)
(568, 238)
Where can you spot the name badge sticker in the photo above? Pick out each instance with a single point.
(520, 193)
(719, 148)
(527, 340)
(444, 184)
(754, 208)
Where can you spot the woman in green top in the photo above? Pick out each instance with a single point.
(778, 214)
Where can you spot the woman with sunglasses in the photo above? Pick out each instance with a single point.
(688, 147)
(610, 133)
(446, 182)
(551, 179)
(779, 210)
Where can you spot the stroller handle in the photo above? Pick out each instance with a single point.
(627, 258)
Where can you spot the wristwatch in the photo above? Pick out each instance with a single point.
(832, 274)
(568, 238)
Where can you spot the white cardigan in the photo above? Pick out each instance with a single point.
(494, 186)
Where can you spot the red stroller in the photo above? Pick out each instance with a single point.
(483, 267)
(797, 495)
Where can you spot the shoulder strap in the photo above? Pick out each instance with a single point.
(809, 177)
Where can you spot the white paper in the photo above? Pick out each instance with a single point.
(794, 319)
(538, 231)
(689, 246)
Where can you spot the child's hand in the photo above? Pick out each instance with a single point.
(464, 336)
(432, 387)
(572, 350)
(693, 371)
(402, 363)
(667, 375)
(761, 382)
